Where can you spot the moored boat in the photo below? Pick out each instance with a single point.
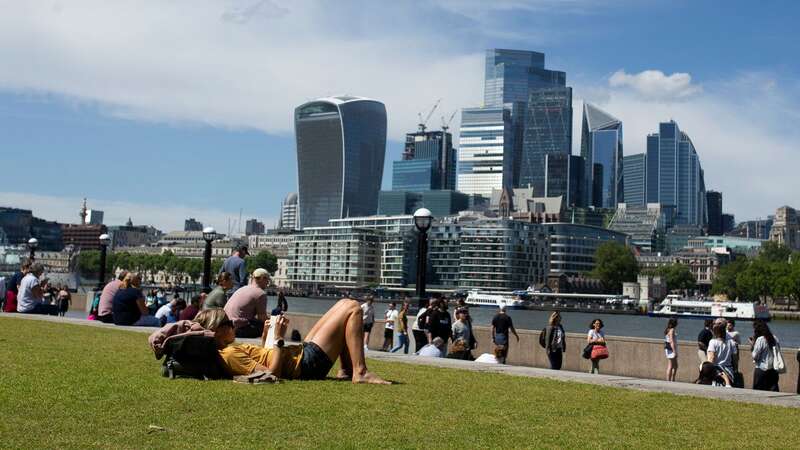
(495, 299)
(677, 306)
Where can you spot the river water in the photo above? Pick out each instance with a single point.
(787, 332)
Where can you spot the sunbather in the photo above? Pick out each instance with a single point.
(337, 334)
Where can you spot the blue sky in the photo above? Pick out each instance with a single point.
(160, 111)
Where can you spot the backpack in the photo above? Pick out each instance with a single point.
(542, 335)
(192, 356)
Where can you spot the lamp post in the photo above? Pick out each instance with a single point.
(209, 234)
(32, 244)
(422, 220)
(101, 278)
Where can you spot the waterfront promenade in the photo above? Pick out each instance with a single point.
(628, 357)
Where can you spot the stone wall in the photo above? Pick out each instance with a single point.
(632, 357)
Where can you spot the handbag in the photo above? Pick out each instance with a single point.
(777, 359)
(587, 351)
(599, 352)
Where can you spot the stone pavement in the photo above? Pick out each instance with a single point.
(785, 399)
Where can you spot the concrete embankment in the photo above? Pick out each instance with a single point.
(629, 357)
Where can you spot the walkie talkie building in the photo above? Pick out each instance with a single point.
(341, 145)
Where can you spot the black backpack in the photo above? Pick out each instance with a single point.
(192, 356)
(542, 341)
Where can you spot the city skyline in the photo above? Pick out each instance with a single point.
(733, 93)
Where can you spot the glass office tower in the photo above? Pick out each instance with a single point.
(675, 176)
(564, 175)
(436, 146)
(485, 150)
(601, 143)
(635, 175)
(548, 130)
(341, 145)
(511, 78)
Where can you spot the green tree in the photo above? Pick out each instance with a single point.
(263, 259)
(755, 282)
(614, 264)
(678, 277)
(725, 281)
(774, 252)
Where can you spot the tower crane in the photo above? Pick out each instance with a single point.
(446, 124)
(422, 123)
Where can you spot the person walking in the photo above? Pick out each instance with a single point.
(596, 336)
(388, 327)
(501, 325)
(401, 328)
(283, 305)
(703, 339)
(64, 300)
(439, 322)
(368, 318)
(419, 327)
(733, 335)
(765, 377)
(671, 348)
(235, 265)
(555, 340)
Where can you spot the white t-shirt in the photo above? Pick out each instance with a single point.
(390, 316)
(367, 313)
(723, 352)
(596, 334)
(734, 335)
(415, 325)
(487, 358)
(26, 301)
(430, 350)
(163, 311)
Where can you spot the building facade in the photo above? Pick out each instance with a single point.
(634, 175)
(130, 235)
(564, 176)
(714, 202)
(786, 228)
(288, 220)
(434, 146)
(572, 246)
(341, 145)
(601, 149)
(485, 150)
(415, 175)
(254, 226)
(191, 224)
(548, 130)
(83, 237)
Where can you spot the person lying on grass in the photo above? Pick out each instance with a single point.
(337, 334)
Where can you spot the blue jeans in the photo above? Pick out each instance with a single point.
(402, 341)
(147, 321)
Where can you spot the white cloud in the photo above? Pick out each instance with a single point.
(166, 217)
(655, 85)
(738, 127)
(239, 64)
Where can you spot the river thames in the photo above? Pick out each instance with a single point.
(787, 332)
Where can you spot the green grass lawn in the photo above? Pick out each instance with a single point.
(67, 386)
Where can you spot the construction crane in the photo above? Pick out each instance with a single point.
(446, 125)
(422, 123)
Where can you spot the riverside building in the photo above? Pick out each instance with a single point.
(341, 145)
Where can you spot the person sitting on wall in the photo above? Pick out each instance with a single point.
(338, 334)
(247, 307)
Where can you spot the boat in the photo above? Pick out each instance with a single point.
(495, 299)
(677, 306)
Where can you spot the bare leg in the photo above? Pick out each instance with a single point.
(340, 331)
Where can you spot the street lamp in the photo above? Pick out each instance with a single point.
(422, 220)
(104, 241)
(32, 244)
(209, 234)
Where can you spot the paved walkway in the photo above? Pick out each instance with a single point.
(740, 395)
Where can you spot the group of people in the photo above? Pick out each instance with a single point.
(27, 291)
(718, 352)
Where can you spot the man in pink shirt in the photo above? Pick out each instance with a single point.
(107, 298)
(247, 307)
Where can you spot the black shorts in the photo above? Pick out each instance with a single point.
(314, 364)
(367, 327)
(388, 333)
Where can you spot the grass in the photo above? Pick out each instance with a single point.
(67, 386)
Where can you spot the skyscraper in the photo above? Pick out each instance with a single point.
(674, 175)
(512, 79)
(714, 201)
(429, 163)
(548, 130)
(635, 175)
(564, 175)
(484, 151)
(341, 145)
(288, 219)
(601, 143)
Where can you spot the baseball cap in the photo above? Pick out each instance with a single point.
(258, 273)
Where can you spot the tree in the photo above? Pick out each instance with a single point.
(725, 280)
(614, 264)
(774, 252)
(678, 277)
(263, 259)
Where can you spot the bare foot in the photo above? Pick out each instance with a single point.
(344, 375)
(369, 378)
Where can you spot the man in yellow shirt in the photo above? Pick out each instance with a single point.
(337, 334)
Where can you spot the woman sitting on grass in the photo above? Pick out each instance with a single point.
(337, 334)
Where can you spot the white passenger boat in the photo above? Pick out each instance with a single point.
(495, 299)
(677, 306)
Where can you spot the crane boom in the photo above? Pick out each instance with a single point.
(423, 123)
